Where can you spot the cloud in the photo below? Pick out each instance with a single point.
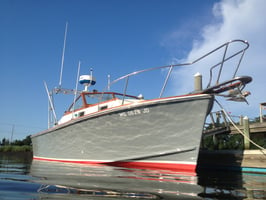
(233, 19)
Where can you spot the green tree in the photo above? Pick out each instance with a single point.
(27, 140)
(5, 142)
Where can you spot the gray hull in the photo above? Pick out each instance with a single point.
(163, 131)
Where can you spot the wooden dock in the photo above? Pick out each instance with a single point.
(256, 127)
(240, 160)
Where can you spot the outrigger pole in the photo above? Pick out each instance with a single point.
(52, 119)
(51, 108)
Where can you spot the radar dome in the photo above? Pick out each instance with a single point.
(87, 80)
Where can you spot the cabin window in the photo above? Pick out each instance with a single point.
(103, 107)
(81, 114)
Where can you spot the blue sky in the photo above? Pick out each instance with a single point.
(114, 37)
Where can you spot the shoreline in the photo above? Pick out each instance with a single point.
(15, 148)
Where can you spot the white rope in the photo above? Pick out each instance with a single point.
(232, 122)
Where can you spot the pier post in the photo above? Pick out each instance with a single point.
(246, 132)
(214, 140)
(262, 106)
(241, 120)
(197, 82)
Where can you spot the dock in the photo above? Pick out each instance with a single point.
(219, 124)
(254, 128)
(246, 160)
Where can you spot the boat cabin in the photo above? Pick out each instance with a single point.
(91, 102)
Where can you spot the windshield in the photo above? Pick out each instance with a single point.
(92, 98)
(87, 99)
(77, 105)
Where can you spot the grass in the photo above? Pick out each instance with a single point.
(15, 148)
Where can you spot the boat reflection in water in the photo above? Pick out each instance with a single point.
(79, 181)
(83, 181)
(22, 179)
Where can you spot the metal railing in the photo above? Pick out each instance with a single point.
(220, 65)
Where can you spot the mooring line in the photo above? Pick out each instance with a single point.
(232, 122)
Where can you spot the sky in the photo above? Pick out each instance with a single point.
(116, 37)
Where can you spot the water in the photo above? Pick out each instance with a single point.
(22, 178)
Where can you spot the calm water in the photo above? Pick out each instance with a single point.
(22, 178)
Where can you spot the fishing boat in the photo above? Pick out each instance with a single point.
(120, 129)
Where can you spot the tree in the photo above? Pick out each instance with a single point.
(5, 142)
(25, 141)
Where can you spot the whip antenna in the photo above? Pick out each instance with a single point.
(63, 56)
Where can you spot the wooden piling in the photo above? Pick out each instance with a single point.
(262, 107)
(241, 120)
(246, 132)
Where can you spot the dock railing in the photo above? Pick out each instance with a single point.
(216, 123)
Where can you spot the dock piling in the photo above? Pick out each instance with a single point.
(246, 132)
(241, 120)
(262, 107)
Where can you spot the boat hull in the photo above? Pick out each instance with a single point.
(162, 133)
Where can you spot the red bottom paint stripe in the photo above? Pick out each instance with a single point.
(156, 165)
(138, 165)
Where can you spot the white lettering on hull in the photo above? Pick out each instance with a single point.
(134, 112)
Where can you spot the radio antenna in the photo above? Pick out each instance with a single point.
(76, 89)
(63, 56)
(109, 82)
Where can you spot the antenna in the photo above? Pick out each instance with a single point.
(76, 89)
(109, 82)
(63, 56)
(91, 70)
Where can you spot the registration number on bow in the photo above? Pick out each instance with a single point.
(134, 112)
